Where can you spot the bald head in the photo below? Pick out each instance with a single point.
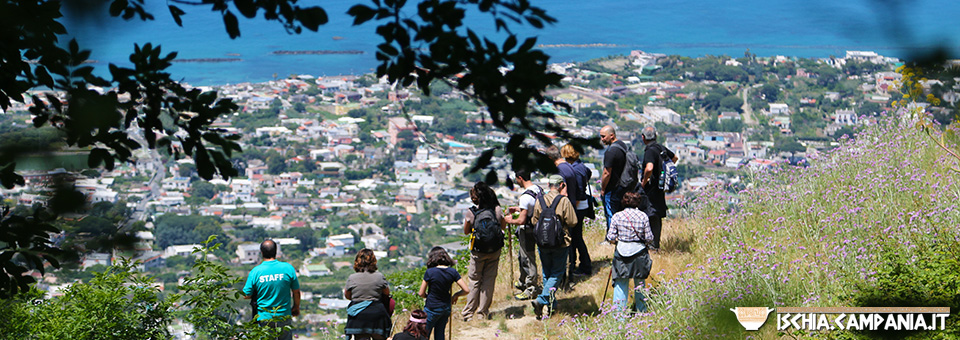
(608, 135)
(268, 249)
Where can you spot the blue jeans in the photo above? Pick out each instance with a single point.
(437, 319)
(621, 292)
(611, 203)
(554, 264)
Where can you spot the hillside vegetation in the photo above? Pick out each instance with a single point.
(871, 223)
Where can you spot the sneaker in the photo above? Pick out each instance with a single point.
(523, 296)
(537, 309)
(519, 285)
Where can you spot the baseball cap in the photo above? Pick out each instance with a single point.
(555, 179)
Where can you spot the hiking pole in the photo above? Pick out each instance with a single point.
(609, 278)
(510, 246)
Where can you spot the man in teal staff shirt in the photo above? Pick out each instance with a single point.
(273, 283)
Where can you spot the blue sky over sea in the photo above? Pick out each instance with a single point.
(812, 28)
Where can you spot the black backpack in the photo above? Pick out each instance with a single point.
(487, 236)
(631, 167)
(549, 228)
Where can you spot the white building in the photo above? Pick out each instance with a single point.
(865, 56)
(267, 223)
(248, 253)
(779, 109)
(346, 239)
(661, 114)
(176, 183)
(105, 195)
(273, 131)
(95, 259)
(375, 241)
(845, 117)
(317, 269)
(335, 248)
(179, 250)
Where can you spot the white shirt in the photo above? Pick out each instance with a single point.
(527, 202)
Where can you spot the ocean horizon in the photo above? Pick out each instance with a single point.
(814, 28)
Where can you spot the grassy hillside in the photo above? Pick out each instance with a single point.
(871, 223)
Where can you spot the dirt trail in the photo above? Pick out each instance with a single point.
(512, 319)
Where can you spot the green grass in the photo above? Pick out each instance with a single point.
(854, 229)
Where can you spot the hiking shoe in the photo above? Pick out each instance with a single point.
(524, 295)
(519, 285)
(537, 309)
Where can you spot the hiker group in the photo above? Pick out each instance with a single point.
(549, 227)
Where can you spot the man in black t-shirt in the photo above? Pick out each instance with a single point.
(614, 159)
(651, 165)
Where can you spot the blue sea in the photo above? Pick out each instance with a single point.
(810, 28)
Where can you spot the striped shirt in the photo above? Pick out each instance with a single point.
(628, 225)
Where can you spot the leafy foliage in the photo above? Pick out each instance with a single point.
(120, 303)
(117, 304)
(24, 245)
(931, 280)
(191, 229)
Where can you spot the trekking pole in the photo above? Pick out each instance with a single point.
(510, 246)
(609, 278)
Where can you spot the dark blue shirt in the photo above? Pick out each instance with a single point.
(439, 281)
(570, 178)
(583, 177)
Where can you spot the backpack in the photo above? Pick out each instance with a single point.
(669, 176)
(631, 168)
(487, 237)
(549, 228)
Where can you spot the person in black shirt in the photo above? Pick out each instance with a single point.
(652, 164)
(435, 288)
(614, 159)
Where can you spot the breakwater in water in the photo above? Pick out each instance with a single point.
(319, 52)
(207, 60)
